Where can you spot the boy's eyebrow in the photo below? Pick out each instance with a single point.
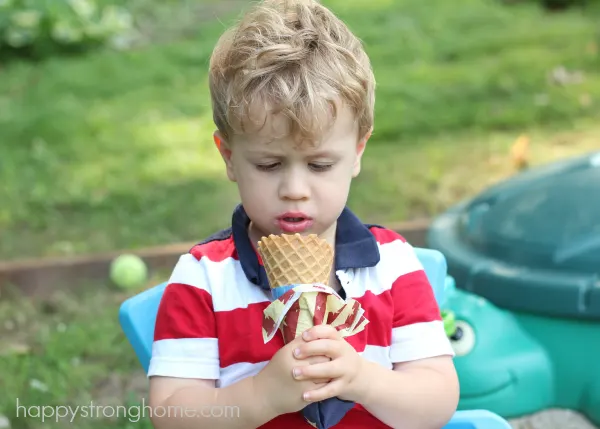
(323, 154)
(264, 152)
(326, 153)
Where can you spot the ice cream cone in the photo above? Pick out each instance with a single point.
(291, 260)
(298, 269)
(296, 259)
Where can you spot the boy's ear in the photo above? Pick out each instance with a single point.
(225, 151)
(360, 149)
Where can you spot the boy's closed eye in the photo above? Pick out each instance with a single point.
(268, 167)
(317, 167)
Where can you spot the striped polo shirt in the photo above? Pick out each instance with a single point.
(209, 322)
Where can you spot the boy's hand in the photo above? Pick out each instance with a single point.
(343, 370)
(276, 384)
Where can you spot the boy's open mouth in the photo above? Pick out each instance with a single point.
(294, 222)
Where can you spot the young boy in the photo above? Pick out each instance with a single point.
(293, 99)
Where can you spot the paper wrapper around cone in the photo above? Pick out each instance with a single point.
(298, 267)
(305, 306)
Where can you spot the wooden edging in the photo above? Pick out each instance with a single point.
(41, 277)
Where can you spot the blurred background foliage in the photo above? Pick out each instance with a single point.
(38, 29)
(106, 129)
(43, 27)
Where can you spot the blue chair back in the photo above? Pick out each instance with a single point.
(477, 419)
(434, 264)
(137, 316)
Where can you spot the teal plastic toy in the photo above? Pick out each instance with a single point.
(515, 363)
(137, 317)
(500, 365)
(531, 247)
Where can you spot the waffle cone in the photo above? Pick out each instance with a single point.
(296, 259)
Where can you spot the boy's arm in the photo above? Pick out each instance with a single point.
(422, 391)
(421, 394)
(178, 403)
(185, 360)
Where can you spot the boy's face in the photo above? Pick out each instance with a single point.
(290, 189)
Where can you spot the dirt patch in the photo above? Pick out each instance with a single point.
(553, 419)
(116, 389)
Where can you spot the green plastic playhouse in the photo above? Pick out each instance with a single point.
(525, 259)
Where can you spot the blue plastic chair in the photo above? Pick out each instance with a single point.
(137, 316)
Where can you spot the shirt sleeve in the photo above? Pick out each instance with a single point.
(417, 326)
(185, 337)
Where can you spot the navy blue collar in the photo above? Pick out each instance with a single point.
(355, 245)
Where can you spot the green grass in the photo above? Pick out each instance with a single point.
(68, 352)
(114, 150)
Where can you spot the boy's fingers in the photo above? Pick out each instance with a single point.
(321, 371)
(320, 347)
(317, 359)
(321, 331)
(328, 391)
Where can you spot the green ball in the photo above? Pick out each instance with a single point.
(128, 271)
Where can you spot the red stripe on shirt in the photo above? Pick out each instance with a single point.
(241, 338)
(384, 235)
(217, 250)
(241, 341)
(414, 300)
(185, 312)
(378, 311)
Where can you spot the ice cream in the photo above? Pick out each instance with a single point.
(296, 259)
(298, 268)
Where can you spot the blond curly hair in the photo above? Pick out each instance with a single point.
(289, 57)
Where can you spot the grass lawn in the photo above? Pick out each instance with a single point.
(114, 150)
(69, 352)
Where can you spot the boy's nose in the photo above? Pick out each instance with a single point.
(294, 186)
